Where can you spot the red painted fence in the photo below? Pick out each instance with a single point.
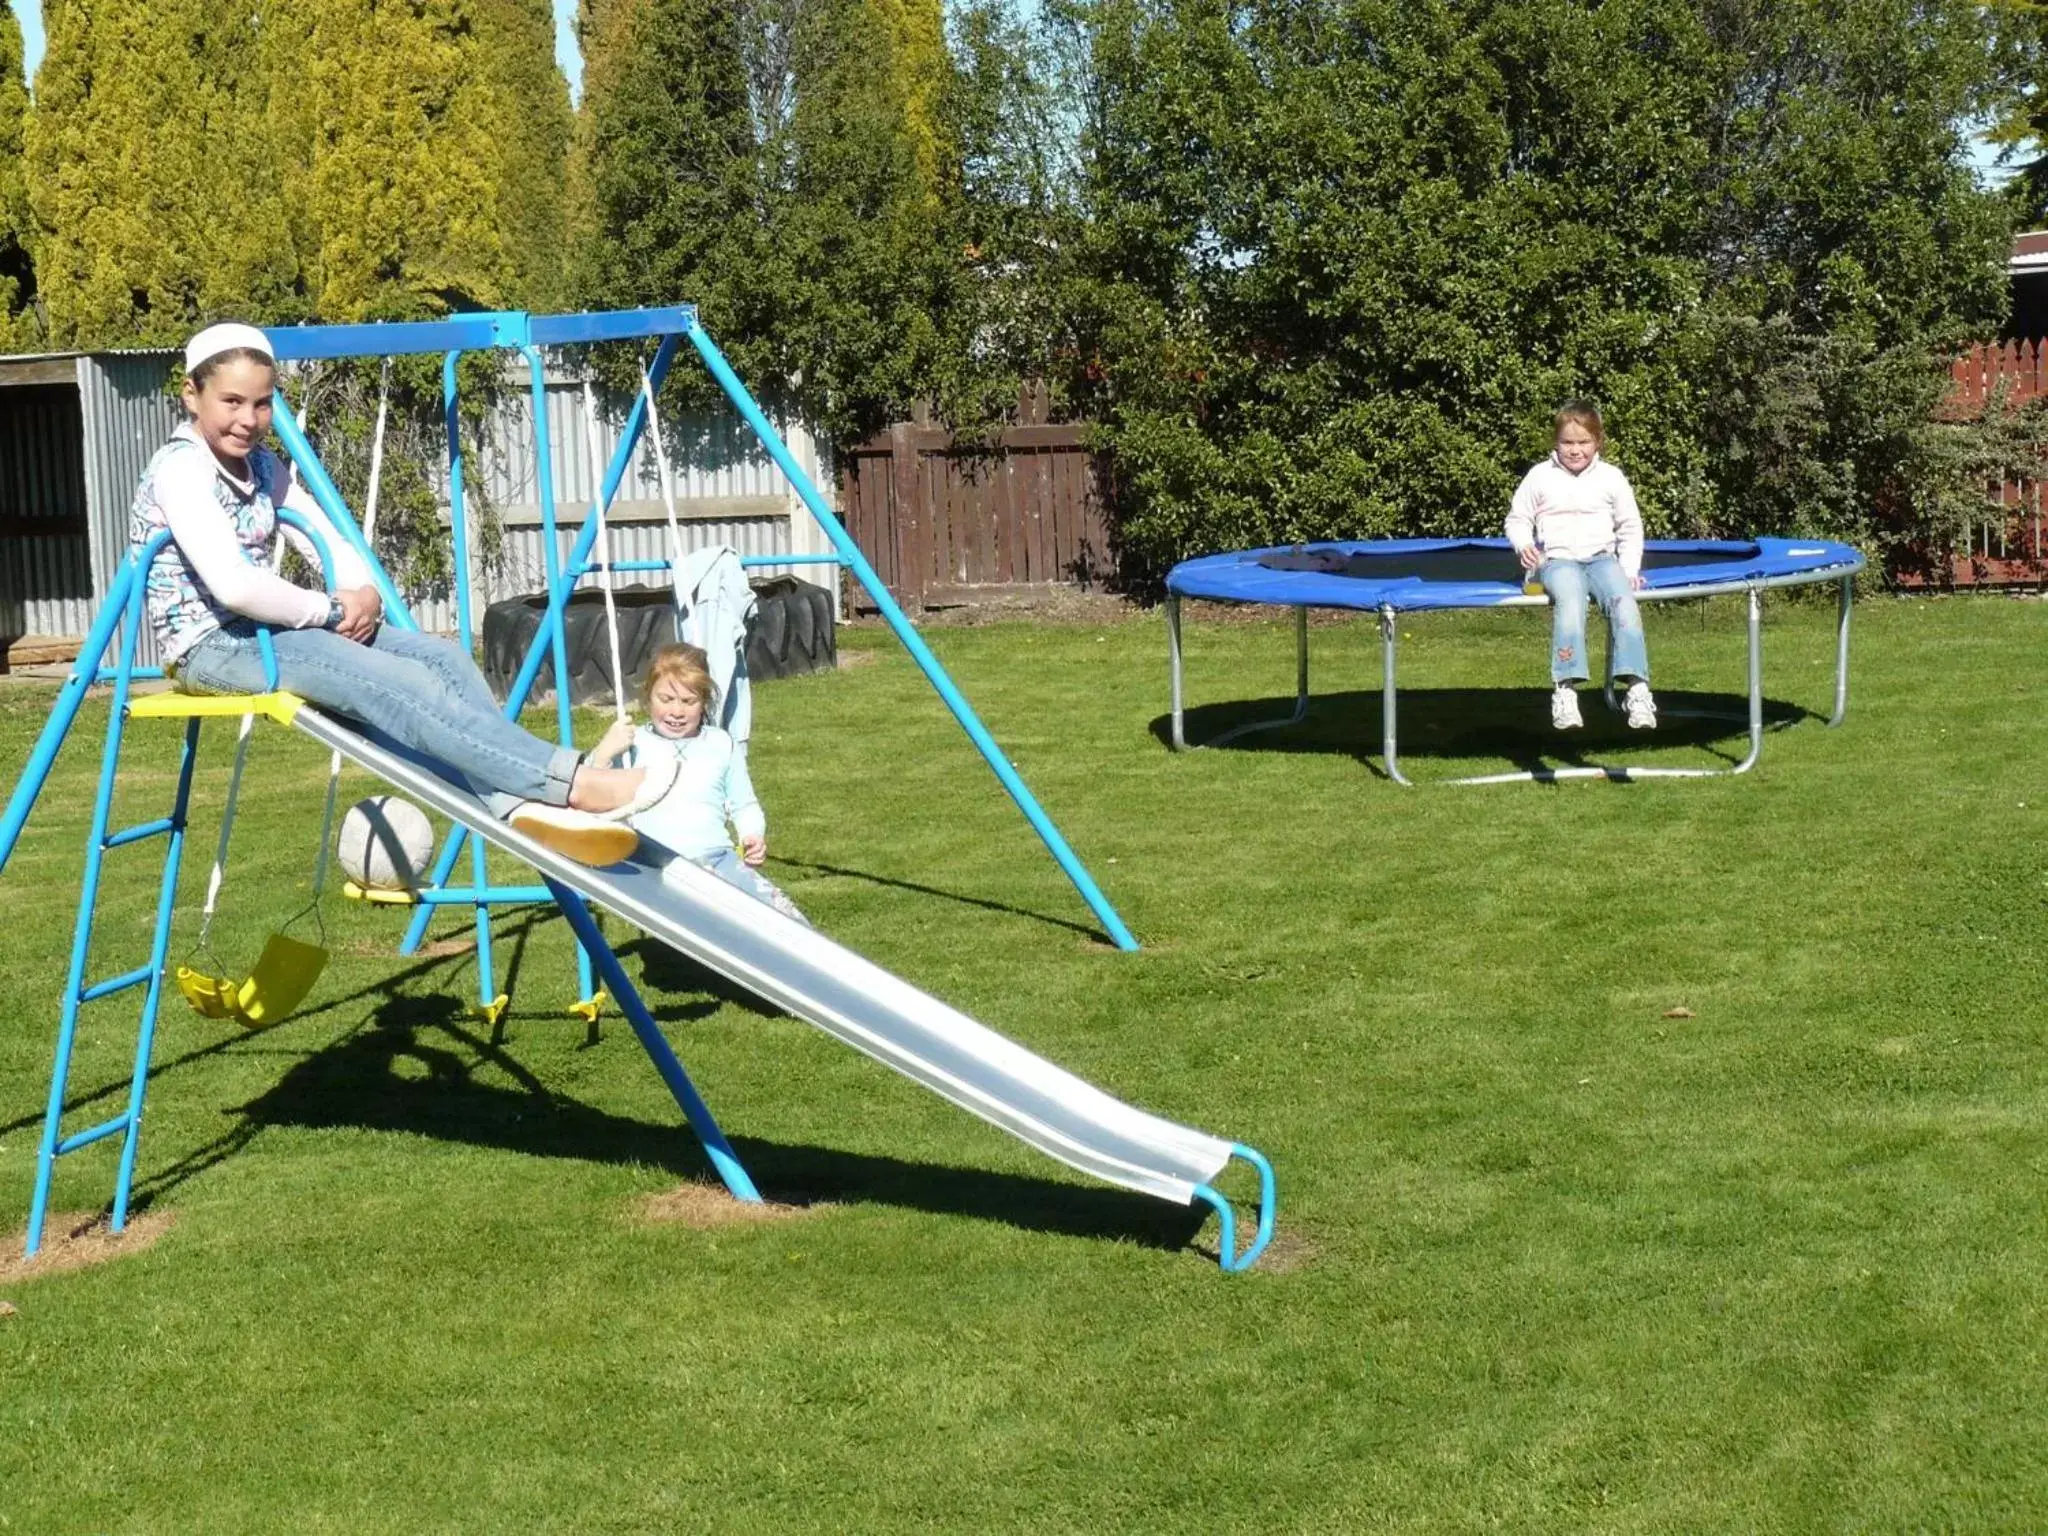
(944, 521)
(2008, 550)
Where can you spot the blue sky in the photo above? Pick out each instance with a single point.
(30, 14)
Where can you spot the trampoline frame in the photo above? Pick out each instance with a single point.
(1754, 587)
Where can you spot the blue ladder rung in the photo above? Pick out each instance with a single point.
(470, 896)
(137, 833)
(133, 978)
(99, 1132)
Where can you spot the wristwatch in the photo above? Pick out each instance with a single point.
(335, 613)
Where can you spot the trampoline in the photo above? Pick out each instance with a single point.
(1395, 576)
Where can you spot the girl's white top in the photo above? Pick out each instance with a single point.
(220, 563)
(1575, 517)
(712, 787)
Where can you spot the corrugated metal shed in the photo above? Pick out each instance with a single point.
(127, 414)
(45, 566)
(76, 431)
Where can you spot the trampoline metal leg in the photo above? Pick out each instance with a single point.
(1756, 682)
(1173, 653)
(1180, 742)
(1842, 655)
(1389, 747)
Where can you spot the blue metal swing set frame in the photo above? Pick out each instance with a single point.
(120, 624)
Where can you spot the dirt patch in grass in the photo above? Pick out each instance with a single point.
(705, 1207)
(78, 1240)
(1288, 1252)
(387, 949)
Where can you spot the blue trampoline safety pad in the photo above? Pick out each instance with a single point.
(1410, 575)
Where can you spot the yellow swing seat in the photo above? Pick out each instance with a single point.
(284, 973)
(211, 997)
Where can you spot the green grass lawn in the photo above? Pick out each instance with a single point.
(1550, 1259)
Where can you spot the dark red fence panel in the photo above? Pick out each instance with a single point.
(945, 521)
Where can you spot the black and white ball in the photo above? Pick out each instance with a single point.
(386, 844)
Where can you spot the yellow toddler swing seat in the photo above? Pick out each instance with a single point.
(288, 967)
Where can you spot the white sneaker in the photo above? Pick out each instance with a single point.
(575, 835)
(656, 780)
(1564, 708)
(1642, 709)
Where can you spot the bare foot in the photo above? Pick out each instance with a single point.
(604, 789)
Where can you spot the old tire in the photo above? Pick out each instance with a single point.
(792, 633)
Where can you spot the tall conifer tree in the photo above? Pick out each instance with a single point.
(665, 158)
(783, 163)
(154, 195)
(385, 117)
(17, 272)
(530, 128)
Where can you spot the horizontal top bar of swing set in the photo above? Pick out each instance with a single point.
(504, 328)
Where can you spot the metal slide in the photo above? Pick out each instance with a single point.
(801, 971)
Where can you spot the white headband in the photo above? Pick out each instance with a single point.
(216, 339)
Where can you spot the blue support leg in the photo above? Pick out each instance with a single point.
(65, 710)
(851, 557)
(1227, 1255)
(722, 1156)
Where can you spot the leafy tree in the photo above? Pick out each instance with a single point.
(1345, 256)
(530, 127)
(155, 202)
(1011, 113)
(783, 164)
(665, 157)
(17, 271)
(421, 157)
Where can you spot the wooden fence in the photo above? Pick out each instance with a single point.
(947, 522)
(2005, 549)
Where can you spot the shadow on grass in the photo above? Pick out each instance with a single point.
(410, 1064)
(669, 971)
(987, 905)
(1474, 724)
(413, 1069)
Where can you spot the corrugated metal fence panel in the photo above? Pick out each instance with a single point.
(714, 460)
(127, 415)
(710, 454)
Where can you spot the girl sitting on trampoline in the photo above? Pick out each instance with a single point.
(1574, 522)
(712, 788)
(216, 488)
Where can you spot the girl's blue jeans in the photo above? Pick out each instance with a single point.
(422, 691)
(1569, 582)
(732, 869)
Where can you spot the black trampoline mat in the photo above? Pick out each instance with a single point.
(1462, 562)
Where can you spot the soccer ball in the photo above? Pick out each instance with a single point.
(386, 843)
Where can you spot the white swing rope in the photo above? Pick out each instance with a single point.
(220, 849)
(369, 538)
(604, 551)
(215, 875)
(668, 497)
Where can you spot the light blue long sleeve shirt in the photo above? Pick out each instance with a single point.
(712, 788)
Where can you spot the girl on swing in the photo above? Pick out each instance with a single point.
(216, 487)
(713, 792)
